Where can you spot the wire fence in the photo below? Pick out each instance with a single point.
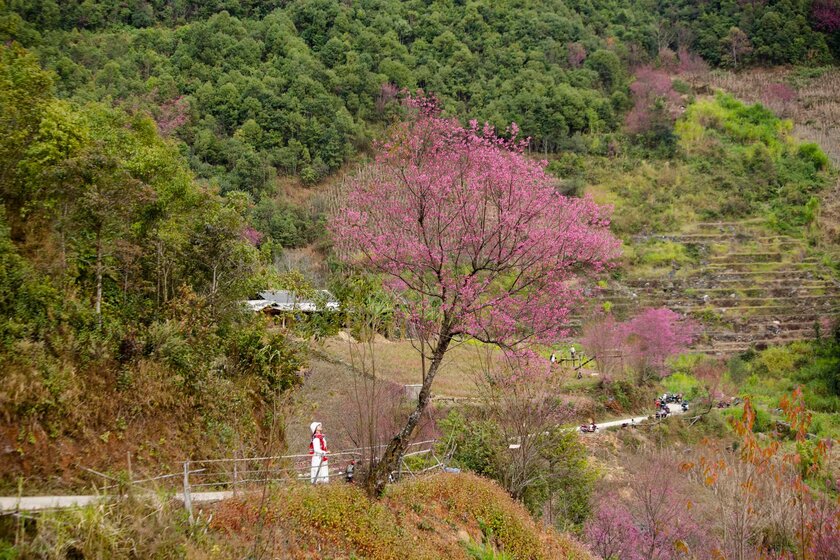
(225, 477)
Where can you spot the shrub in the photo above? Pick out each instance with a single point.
(682, 383)
(776, 361)
(738, 370)
(474, 441)
(664, 252)
(340, 521)
(813, 154)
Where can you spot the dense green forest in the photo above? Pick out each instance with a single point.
(296, 87)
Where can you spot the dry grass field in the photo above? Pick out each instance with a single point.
(399, 362)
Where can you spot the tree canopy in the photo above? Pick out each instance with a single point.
(473, 236)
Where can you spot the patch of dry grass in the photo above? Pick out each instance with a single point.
(399, 362)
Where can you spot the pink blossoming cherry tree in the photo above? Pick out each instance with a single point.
(473, 236)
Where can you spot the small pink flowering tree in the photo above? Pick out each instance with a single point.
(473, 236)
(655, 103)
(612, 532)
(172, 115)
(826, 15)
(643, 342)
(604, 339)
(653, 336)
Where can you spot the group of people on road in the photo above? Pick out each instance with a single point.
(661, 403)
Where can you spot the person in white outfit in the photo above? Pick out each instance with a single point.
(318, 450)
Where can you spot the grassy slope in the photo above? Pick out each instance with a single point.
(427, 518)
(815, 111)
(399, 361)
(421, 519)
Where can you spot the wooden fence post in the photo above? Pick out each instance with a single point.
(234, 477)
(187, 495)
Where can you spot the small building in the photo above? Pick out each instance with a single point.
(287, 304)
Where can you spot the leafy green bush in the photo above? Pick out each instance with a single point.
(664, 252)
(682, 383)
(737, 370)
(485, 551)
(476, 443)
(814, 155)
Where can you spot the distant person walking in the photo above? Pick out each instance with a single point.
(318, 450)
(553, 358)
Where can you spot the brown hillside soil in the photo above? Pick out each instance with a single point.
(426, 518)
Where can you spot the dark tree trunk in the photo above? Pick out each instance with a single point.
(378, 478)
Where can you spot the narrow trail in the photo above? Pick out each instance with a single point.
(12, 504)
(675, 408)
(43, 503)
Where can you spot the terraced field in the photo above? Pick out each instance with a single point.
(747, 286)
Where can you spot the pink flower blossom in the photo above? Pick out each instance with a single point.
(252, 236)
(475, 233)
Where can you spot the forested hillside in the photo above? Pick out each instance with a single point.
(163, 160)
(267, 89)
(110, 231)
(119, 282)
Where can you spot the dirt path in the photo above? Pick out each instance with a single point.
(675, 408)
(41, 503)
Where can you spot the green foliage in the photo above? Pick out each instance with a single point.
(8, 551)
(302, 85)
(485, 551)
(733, 161)
(568, 481)
(608, 67)
(25, 302)
(622, 395)
(812, 154)
(663, 252)
(475, 443)
(119, 529)
(565, 478)
(775, 32)
(269, 357)
(813, 366)
(287, 224)
(682, 383)
(257, 89)
(121, 277)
